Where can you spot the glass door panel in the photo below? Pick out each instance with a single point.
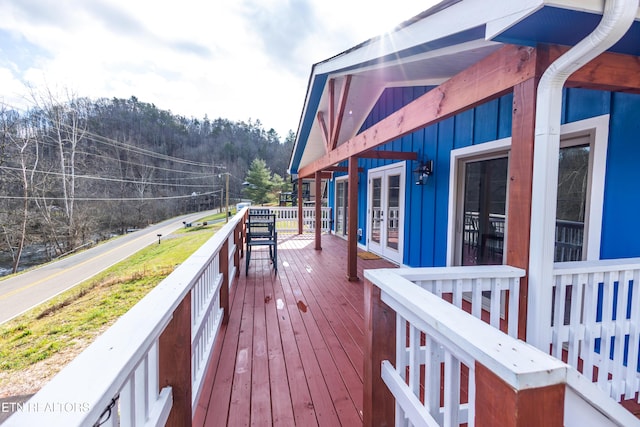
(376, 209)
(393, 211)
(573, 183)
(485, 196)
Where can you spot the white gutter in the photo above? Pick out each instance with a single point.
(616, 20)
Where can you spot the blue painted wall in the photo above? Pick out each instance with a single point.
(620, 231)
(426, 206)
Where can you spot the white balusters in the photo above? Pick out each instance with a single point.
(596, 321)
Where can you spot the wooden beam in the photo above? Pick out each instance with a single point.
(324, 175)
(339, 169)
(520, 184)
(342, 104)
(352, 227)
(490, 78)
(325, 133)
(608, 71)
(389, 155)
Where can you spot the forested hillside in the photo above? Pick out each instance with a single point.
(79, 170)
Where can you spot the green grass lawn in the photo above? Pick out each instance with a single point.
(78, 315)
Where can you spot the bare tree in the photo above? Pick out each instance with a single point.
(20, 159)
(24, 142)
(66, 123)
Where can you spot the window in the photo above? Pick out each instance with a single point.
(477, 206)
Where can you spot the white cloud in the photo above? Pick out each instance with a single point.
(236, 60)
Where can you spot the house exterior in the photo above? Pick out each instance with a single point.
(489, 133)
(488, 149)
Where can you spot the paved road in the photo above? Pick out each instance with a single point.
(24, 291)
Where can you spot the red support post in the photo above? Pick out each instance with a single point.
(175, 363)
(520, 182)
(380, 344)
(300, 204)
(352, 231)
(498, 404)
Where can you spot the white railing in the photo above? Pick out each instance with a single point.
(596, 322)
(287, 218)
(439, 349)
(115, 381)
(486, 291)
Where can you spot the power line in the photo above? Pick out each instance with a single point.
(100, 178)
(105, 199)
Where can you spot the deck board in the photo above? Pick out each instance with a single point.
(292, 352)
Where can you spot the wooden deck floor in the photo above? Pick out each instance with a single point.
(292, 352)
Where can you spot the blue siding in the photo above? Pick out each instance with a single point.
(580, 104)
(620, 231)
(426, 206)
(425, 233)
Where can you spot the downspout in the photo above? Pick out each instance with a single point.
(617, 18)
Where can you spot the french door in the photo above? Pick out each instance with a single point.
(342, 208)
(385, 212)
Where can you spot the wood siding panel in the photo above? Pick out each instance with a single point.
(620, 236)
(486, 122)
(442, 168)
(416, 201)
(579, 104)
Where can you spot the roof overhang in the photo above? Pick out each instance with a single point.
(430, 49)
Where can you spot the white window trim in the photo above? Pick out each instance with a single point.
(481, 151)
(597, 127)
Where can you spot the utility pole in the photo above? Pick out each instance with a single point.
(226, 212)
(227, 190)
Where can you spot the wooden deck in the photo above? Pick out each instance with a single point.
(292, 352)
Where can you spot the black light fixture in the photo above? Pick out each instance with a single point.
(423, 171)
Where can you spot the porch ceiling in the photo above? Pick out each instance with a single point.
(431, 48)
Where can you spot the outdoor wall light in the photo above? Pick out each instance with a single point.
(423, 171)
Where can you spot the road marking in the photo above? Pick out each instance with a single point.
(44, 279)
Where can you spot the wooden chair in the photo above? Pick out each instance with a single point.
(261, 231)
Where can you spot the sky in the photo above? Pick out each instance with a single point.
(236, 59)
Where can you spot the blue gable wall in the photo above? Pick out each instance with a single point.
(426, 206)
